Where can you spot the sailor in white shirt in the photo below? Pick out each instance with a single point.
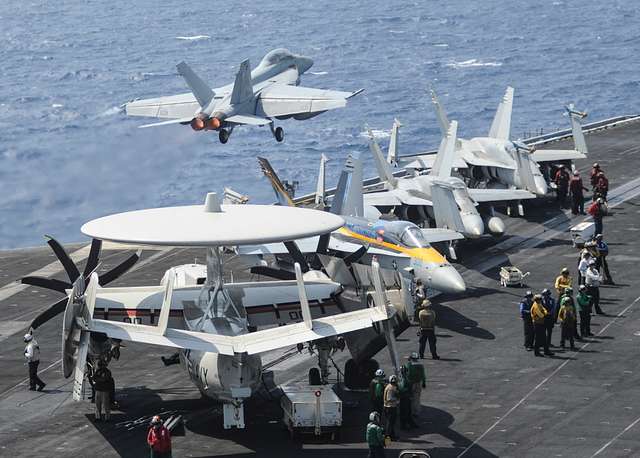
(592, 281)
(32, 355)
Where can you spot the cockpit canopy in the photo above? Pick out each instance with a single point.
(276, 56)
(402, 233)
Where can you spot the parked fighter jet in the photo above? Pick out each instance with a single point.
(210, 319)
(365, 237)
(438, 195)
(255, 98)
(497, 160)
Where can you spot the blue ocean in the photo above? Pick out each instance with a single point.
(68, 154)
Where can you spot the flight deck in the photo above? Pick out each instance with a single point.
(486, 397)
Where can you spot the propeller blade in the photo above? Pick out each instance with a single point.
(273, 273)
(72, 271)
(48, 283)
(118, 270)
(94, 254)
(297, 255)
(356, 255)
(53, 310)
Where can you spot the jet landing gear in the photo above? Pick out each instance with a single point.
(223, 135)
(278, 133)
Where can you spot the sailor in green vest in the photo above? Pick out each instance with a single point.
(375, 436)
(417, 378)
(405, 392)
(376, 391)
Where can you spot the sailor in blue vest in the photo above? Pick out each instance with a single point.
(525, 314)
(550, 305)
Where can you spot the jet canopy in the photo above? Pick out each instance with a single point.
(276, 56)
(402, 233)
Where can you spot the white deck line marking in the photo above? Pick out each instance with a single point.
(545, 380)
(24, 382)
(616, 437)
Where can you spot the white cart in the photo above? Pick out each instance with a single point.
(313, 410)
(582, 232)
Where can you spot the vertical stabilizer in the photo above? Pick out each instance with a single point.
(321, 180)
(576, 128)
(347, 200)
(392, 154)
(443, 121)
(446, 153)
(242, 87)
(200, 89)
(384, 169)
(501, 126)
(282, 196)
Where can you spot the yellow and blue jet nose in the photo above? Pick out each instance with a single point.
(435, 272)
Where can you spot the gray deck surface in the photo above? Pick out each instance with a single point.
(486, 397)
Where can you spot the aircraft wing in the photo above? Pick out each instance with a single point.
(498, 195)
(171, 107)
(426, 161)
(482, 159)
(441, 235)
(252, 343)
(550, 155)
(395, 197)
(285, 100)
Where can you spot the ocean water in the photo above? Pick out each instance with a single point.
(68, 154)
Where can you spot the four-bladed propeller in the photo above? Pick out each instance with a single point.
(74, 273)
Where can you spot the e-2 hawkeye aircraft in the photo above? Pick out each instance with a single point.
(496, 160)
(212, 322)
(438, 196)
(256, 98)
(365, 237)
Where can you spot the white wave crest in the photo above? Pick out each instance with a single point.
(377, 133)
(194, 38)
(111, 111)
(473, 63)
(318, 73)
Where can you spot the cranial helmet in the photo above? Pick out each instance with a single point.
(374, 416)
(379, 373)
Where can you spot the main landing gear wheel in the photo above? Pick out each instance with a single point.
(358, 376)
(223, 135)
(314, 376)
(279, 134)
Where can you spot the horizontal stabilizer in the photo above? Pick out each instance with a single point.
(553, 155)
(167, 123)
(248, 120)
(499, 195)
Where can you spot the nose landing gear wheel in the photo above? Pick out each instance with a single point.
(279, 134)
(223, 135)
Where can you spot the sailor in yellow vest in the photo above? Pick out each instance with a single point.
(538, 314)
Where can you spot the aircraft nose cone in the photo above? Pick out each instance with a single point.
(473, 226)
(447, 280)
(304, 63)
(541, 186)
(496, 226)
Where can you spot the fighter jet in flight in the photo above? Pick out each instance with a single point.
(495, 159)
(256, 98)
